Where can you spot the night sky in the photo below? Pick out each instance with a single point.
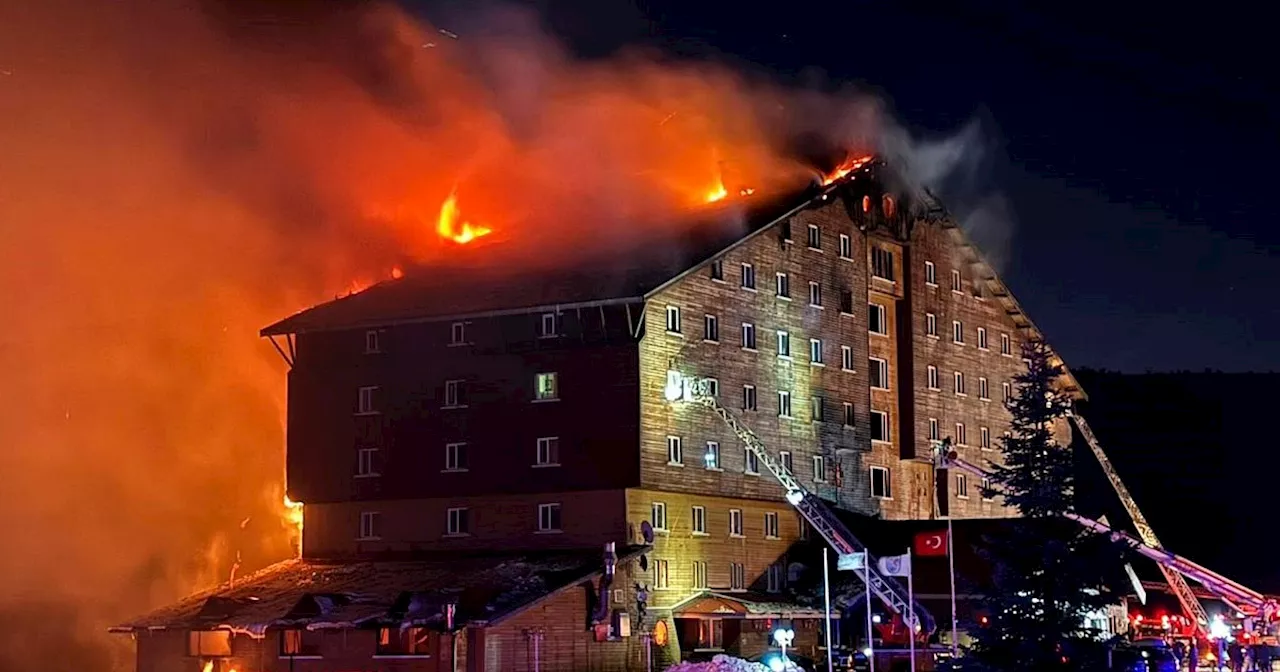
(1134, 146)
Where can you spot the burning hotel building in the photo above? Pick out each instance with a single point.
(466, 446)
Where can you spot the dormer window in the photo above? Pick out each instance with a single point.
(890, 208)
(866, 204)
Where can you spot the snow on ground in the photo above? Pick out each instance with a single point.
(719, 664)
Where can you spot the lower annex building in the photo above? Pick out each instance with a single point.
(501, 430)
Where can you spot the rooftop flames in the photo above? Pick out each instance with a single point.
(448, 225)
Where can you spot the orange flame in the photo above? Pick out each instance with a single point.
(448, 227)
(845, 168)
(292, 515)
(717, 193)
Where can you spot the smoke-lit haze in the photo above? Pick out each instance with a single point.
(176, 175)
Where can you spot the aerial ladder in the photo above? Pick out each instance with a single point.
(1174, 567)
(687, 389)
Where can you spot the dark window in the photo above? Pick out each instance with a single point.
(882, 263)
(880, 485)
(717, 269)
(711, 328)
(815, 237)
(877, 320)
(879, 426)
(846, 302)
(784, 230)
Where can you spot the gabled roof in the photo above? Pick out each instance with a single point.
(317, 595)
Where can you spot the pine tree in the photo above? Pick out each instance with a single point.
(1048, 573)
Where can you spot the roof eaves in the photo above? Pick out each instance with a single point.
(516, 610)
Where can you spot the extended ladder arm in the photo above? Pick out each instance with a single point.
(814, 510)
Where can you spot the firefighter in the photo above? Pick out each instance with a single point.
(1180, 652)
(1235, 653)
(1193, 655)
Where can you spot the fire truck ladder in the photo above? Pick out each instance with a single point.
(1190, 604)
(682, 388)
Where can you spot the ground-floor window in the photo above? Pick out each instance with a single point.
(209, 643)
(711, 634)
(300, 643)
(404, 642)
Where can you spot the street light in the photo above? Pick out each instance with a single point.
(784, 637)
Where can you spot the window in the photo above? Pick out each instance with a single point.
(675, 450)
(1006, 346)
(784, 404)
(1006, 392)
(372, 342)
(962, 436)
(846, 358)
(548, 517)
(934, 433)
(846, 247)
(711, 328)
(932, 377)
(367, 400)
(454, 393)
(804, 528)
(673, 319)
(658, 515)
(661, 574)
(711, 634)
(879, 373)
(735, 522)
(737, 578)
(958, 383)
(699, 519)
(818, 410)
(986, 492)
(815, 237)
(717, 270)
(955, 281)
(548, 452)
(700, 576)
(984, 438)
(815, 295)
(784, 230)
(750, 463)
(982, 338)
(784, 344)
(368, 526)
(546, 387)
(962, 486)
(458, 522)
(982, 389)
(784, 286)
(880, 484)
(931, 325)
(713, 387)
(849, 420)
(882, 263)
(209, 643)
(930, 274)
(403, 642)
(458, 333)
(550, 326)
(748, 277)
(888, 204)
(712, 457)
(879, 426)
(774, 578)
(367, 463)
(748, 397)
(846, 302)
(455, 457)
(877, 322)
(957, 332)
(748, 336)
(301, 643)
(819, 469)
(784, 457)
(771, 525)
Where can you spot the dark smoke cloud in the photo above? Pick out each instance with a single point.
(176, 175)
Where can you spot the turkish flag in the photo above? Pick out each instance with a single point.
(931, 543)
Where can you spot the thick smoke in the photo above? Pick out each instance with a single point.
(176, 175)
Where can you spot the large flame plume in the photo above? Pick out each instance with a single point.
(174, 176)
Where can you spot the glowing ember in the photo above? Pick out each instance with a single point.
(397, 273)
(448, 225)
(845, 168)
(747, 191)
(717, 193)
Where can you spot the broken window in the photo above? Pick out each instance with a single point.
(399, 641)
(300, 643)
(209, 643)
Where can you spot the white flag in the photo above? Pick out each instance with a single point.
(851, 561)
(896, 565)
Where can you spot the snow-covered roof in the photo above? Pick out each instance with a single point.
(326, 594)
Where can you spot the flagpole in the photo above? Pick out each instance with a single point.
(826, 593)
(866, 583)
(911, 607)
(951, 561)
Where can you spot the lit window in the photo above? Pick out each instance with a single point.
(458, 522)
(783, 286)
(846, 247)
(879, 373)
(880, 484)
(675, 450)
(699, 518)
(712, 456)
(748, 277)
(735, 522)
(548, 451)
(299, 643)
(366, 403)
(877, 321)
(372, 342)
(879, 426)
(930, 273)
(209, 643)
(658, 515)
(548, 517)
(673, 319)
(403, 642)
(890, 208)
(546, 387)
(455, 457)
(367, 463)
(369, 526)
(771, 525)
